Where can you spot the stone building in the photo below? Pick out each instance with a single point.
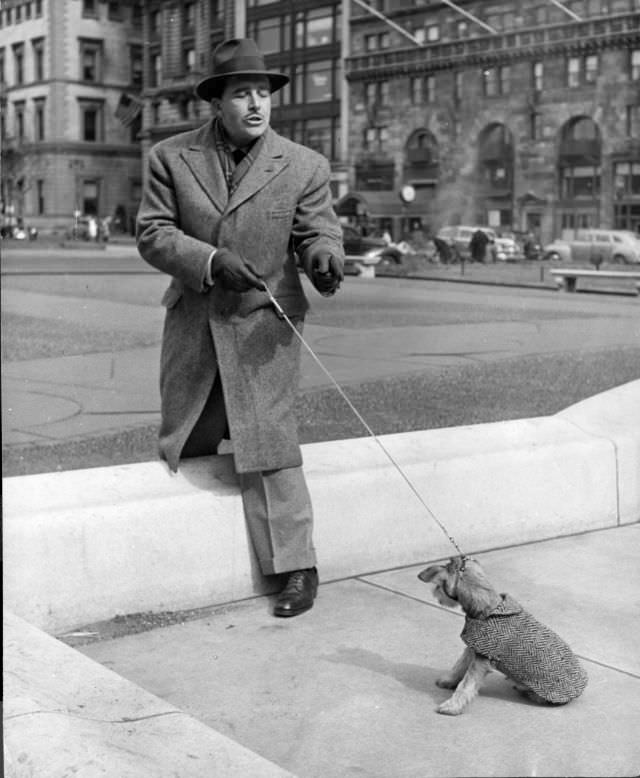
(519, 114)
(70, 73)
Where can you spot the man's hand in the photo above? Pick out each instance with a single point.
(232, 272)
(326, 274)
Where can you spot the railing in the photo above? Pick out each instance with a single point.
(589, 33)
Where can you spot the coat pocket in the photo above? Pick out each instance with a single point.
(171, 296)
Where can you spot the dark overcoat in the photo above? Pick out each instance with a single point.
(281, 211)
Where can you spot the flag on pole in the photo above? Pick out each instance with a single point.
(128, 109)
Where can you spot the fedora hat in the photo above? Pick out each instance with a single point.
(237, 57)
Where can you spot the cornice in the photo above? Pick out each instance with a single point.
(533, 43)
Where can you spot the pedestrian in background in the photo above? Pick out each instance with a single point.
(226, 210)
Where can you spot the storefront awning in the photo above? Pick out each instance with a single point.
(384, 204)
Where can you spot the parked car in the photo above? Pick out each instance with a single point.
(596, 246)
(459, 237)
(367, 249)
(508, 250)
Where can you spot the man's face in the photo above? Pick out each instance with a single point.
(244, 108)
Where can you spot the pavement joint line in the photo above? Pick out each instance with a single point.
(609, 667)
(71, 715)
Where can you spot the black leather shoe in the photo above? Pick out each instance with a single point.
(299, 593)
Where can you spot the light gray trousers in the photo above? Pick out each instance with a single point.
(277, 505)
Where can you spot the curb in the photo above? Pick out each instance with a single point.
(65, 714)
(86, 545)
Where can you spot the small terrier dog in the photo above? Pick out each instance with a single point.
(501, 635)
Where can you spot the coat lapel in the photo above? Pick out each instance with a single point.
(202, 159)
(268, 164)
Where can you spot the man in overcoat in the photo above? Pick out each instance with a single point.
(229, 210)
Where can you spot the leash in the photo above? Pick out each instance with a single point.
(282, 315)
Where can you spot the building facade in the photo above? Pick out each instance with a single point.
(518, 114)
(70, 73)
(515, 114)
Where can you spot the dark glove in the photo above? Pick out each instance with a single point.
(326, 273)
(232, 272)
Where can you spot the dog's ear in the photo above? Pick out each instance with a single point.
(428, 574)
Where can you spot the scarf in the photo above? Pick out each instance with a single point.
(234, 172)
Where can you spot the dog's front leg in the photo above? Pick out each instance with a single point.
(457, 672)
(468, 687)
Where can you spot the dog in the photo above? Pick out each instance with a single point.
(500, 634)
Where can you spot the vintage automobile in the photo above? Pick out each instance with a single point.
(367, 250)
(595, 247)
(459, 237)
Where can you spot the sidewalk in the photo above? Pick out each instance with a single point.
(348, 689)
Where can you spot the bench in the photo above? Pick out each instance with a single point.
(566, 278)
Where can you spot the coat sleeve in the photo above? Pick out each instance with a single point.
(316, 228)
(160, 240)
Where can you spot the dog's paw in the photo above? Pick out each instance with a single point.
(446, 682)
(450, 708)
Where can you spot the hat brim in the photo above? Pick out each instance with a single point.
(210, 87)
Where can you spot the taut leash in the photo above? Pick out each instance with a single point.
(358, 415)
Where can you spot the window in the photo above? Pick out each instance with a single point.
(457, 85)
(18, 14)
(318, 135)
(573, 71)
(318, 86)
(319, 28)
(90, 60)
(189, 60)
(136, 16)
(635, 65)
(39, 119)
(504, 74)
(490, 82)
(535, 125)
(19, 119)
(314, 28)
(190, 16)
(430, 89)
(632, 117)
(462, 29)
(40, 197)
(433, 33)
(2, 78)
(156, 70)
(590, 68)
(415, 87)
(27, 10)
(114, 11)
(155, 22)
(91, 116)
(376, 93)
(18, 63)
(626, 176)
(376, 138)
(38, 58)
(90, 8)
(580, 182)
(537, 73)
(38, 8)
(267, 35)
(136, 66)
(380, 40)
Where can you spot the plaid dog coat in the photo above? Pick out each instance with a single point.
(526, 651)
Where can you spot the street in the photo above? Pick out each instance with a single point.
(81, 334)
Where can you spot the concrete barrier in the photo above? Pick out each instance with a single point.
(65, 714)
(86, 545)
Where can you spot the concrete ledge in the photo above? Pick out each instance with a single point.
(85, 545)
(65, 714)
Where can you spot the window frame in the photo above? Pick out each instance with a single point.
(86, 106)
(91, 46)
